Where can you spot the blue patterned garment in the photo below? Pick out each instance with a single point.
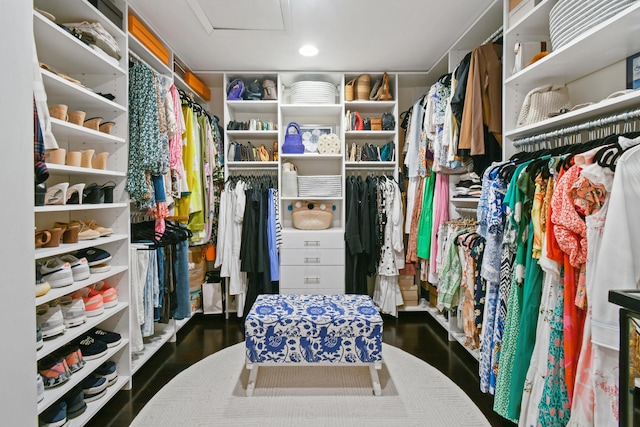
(313, 328)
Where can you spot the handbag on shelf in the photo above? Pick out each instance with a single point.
(376, 123)
(363, 87)
(541, 102)
(387, 152)
(293, 141)
(269, 90)
(380, 91)
(253, 91)
(310, 215)
(275, 151)
(263, 153)
(388, 121)
(348, 90)
(358, 122)
(235, 89)
(366, 123)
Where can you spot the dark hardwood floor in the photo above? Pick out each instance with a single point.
(415, 333)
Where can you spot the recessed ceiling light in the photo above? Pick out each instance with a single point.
(308, 50)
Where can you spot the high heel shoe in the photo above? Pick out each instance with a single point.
(56, 194)
(57, 156)
(106, 127)
(70, 232)
(107, 191)
(87, 158)
(92, 194)
(74, 158)
(54, 241)
(74, 194)
(100, 160)
(42, 238)
(93, 123)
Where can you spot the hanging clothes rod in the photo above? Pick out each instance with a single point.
(583, 127)
(494, 36)
(461, 210)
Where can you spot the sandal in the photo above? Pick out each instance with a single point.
(56, 194)
(73, 194)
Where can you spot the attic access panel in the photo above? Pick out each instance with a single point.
(242, 15)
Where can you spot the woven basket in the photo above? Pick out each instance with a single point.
(540, 102)
(363, 87)
(309, 215)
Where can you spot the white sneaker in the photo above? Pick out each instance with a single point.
(40, 386)
(79, 267)
(57, 273)
(73, 311)
(50, 320)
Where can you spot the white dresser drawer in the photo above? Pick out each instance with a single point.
(312, 278)
(326, 239)
(311, 256)
(314, 291)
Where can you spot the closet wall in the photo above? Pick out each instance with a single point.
(18, 403)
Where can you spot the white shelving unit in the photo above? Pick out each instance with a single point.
(589, 77)
(64, 53)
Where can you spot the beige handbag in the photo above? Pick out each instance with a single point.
(541, 102)
(289, 180)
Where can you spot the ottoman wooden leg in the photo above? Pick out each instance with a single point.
(375, 380)
(253, 375)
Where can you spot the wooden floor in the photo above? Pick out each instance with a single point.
(415, 333)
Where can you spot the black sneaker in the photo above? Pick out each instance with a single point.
(111, 339)
(108, 371)
(91, 348)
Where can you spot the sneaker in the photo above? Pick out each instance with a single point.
(104, 231)
(91, 348)
(75, 402)
(79, 267)
(111, 339)
(109, 294)
(85, 232)
(94, 388)
(42, 286)
(54, 371)
(93, 303)
(57, 273)
(50, 320)
(55, 416)
(40, 387)
(100, 268)
(108, 371)
(94, 256)
(73, 311)
(39, 342)
(72, 356)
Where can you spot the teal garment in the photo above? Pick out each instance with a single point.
(507, 353)
(532, 294)
(426, 218)
(554, 407)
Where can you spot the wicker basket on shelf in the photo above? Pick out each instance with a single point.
(309, 215)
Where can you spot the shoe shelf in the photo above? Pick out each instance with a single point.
(253, 106)
(64, 248)
(266, 134)
(62, 91)
(84, 207)
(52, 344)
(78, 134)
(96, 405)
(252, 165)
(55, 45)
(76, 170)
(452, 333)
(55, 293)
(52, 395)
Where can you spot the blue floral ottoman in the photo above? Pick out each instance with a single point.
(313, 329)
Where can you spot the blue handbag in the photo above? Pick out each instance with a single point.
(293, 141)
(235, 89)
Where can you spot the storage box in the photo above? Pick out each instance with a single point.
(433, 295)
(197, 85)
(406, 281)
(212, 298)
(197, 267)
(410, 295)
(146, 37)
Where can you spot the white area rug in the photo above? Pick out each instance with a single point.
(212, 392)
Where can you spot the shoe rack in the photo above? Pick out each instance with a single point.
(103, 154)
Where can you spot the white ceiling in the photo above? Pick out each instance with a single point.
(351, 35)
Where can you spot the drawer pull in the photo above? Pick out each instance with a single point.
(312, 260)
(312, 242)
(312, 280)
